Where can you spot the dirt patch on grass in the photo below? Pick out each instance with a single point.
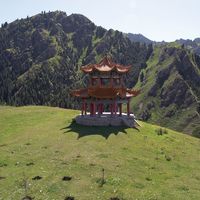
(3, 145)
(3, 165)
(69, 198)
(78, 156)
(67, 178)
(64, 163)
(29, 164)
(2, 177)
(27, 198)
(37, 178)
(168, 158)
(148, 179)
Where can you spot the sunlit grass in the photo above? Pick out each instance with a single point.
(43, 141)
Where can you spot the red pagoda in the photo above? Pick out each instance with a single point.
(103, 98)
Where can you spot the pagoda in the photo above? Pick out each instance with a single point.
(102, 100)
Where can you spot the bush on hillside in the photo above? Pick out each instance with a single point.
(161, 131)
(196, 132)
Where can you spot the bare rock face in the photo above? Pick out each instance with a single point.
(162, 76)
(153, 91)
(165, 53)
(176, 93)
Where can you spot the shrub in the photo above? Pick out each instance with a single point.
(161, 131)
(168, 158)
(196, 132)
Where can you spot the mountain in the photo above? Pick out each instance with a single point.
(40, 57)
(44, 155)
(170, 89)
(138, 38)
(193, 45)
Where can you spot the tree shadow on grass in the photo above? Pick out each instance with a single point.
(104, 131)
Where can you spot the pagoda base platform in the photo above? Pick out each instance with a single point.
(106, 119)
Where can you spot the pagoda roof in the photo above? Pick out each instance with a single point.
(105, 93)
(105, 65)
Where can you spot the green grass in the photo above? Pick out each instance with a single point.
(138, 164)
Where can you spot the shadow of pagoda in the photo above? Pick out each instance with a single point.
(104, 131)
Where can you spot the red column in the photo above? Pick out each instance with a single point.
(91, 109)
(99, 109)
(111, 109)
(128, 108)
(82, 108)
(94, 108)
(85, 108)
(120, 109)
(115, 107)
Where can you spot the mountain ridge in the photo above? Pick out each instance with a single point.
(54, 42)
(139, 38)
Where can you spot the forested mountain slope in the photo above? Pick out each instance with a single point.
(40, 57)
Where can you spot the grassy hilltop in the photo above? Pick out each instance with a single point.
(44, 142)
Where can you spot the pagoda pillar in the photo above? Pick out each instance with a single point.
(82, 108)
(120, 109)
(111, 109)
(115, 107)
(99, 109)
(128, 107)
(94, 108)
(85, 108)
(91, 109)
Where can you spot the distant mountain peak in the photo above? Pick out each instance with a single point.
(138, 38)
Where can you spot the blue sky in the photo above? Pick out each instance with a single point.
(156, 19)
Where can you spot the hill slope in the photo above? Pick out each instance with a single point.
(170, 89)
(41, 141)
